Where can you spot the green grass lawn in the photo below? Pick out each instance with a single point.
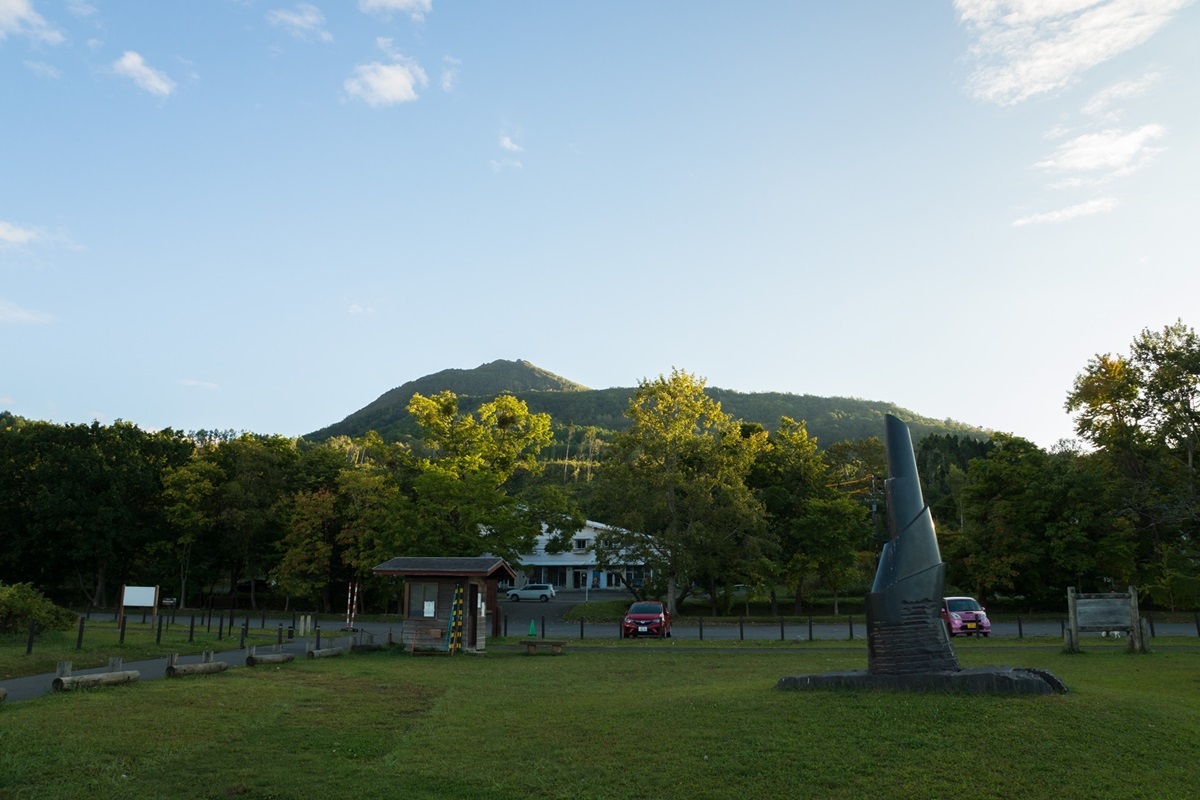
(649, 720)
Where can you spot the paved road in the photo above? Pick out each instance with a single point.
(547, 620)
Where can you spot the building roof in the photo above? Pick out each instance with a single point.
(491, 567)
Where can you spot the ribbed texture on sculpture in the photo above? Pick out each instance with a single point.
(905, 633)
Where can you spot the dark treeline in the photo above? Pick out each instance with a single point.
(702, 498)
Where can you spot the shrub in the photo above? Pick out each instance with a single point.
(20, 603)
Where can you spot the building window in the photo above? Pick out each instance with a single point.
(422, 600)
(581, 544)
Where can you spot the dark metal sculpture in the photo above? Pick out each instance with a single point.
(904, 625)
(907, 643)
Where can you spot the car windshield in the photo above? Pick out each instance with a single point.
(962, 604)
(645, 608)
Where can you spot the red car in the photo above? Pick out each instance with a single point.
(646, 618)
(964, 616)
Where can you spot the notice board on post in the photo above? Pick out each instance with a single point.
(139, 597)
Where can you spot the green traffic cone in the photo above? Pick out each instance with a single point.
(532, 628)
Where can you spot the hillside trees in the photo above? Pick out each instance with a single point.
(816, 528)
(82, 505)
(1038, 522)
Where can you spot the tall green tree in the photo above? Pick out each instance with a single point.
(674, 484)
(467, 477)
(1141, 412)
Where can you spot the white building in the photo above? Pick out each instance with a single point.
(576, 567)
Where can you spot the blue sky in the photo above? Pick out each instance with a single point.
(262, 215)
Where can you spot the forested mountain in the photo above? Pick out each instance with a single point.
(829, 419)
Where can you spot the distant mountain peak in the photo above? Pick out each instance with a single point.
(487, 380)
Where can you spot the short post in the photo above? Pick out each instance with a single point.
(143, 616)
(1197, 616)
(232, 610)
(702, 629)
(279, 638)
(317, 631)
(504, 618)
(79, 638)
(264, 620)
(242, 640)
(1150, 621)
(158, 636)
(581, 630)
(121, 640)
(543, 627)
(1062, 621)
(88, 614)
(210, 619)
(220, 627)
(810, 629)
(1020, 629)
(781, 629)
(192, 630)
(291, 632)
(32, 631)
(850, 620)
(742, 628)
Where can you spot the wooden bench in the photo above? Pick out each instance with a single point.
(531, 646)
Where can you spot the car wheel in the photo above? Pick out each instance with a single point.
(544, 598)
(514, 598)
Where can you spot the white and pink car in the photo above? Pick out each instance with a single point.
(965, 617)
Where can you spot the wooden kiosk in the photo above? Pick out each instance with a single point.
(447, 601)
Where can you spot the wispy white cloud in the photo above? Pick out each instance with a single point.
(1029, 47)
(506, 143)
(416, 9)
(42, 69)
(192, 383)
(133, 66)
(11, 314)
(378, 84)
(11, 234)
(81, 8)
(304, 22)
(360, 311)
(1105, 155)
(1102, 101)
(1101, 205)
(501, 164)
(449, 79)
(386, 84)
(18, 18)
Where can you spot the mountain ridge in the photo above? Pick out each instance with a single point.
(829, 419)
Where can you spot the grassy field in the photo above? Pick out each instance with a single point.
(644, 720)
